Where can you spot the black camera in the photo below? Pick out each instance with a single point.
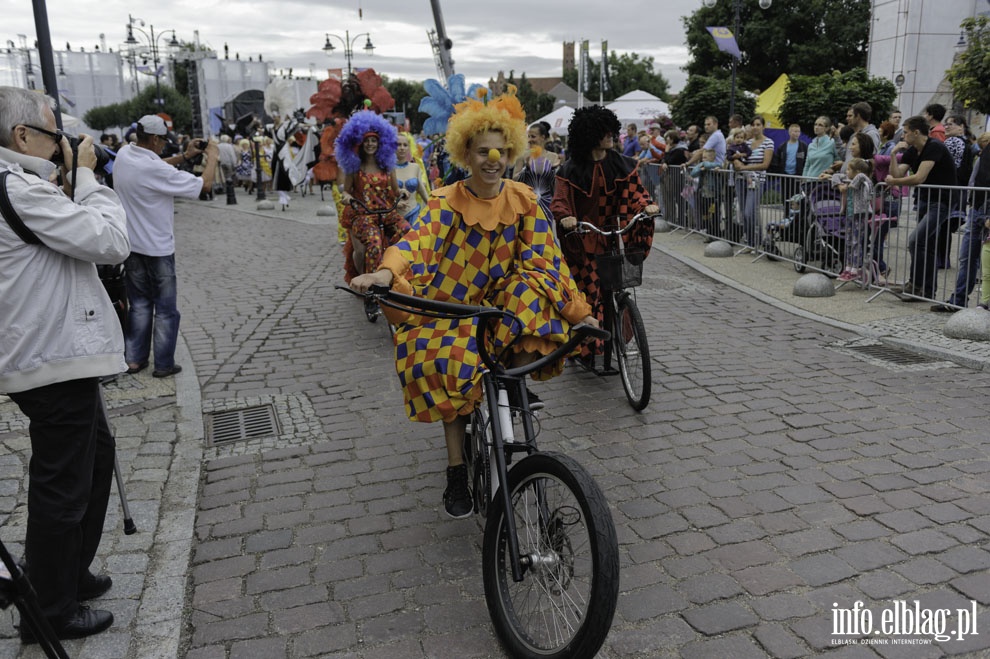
(103, 156)
(200, 144)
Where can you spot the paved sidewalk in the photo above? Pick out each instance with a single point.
(744, 503)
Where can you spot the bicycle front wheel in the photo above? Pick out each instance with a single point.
(564, 605)
(633, 353)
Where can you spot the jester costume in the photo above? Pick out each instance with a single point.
(598, 192)
(495, 252)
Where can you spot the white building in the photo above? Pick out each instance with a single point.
(85, 79)
(912, 44)
(92, 79)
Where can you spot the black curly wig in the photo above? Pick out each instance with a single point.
(587, 129)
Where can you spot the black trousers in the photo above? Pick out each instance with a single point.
(69, 480)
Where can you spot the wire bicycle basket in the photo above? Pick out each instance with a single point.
(620, 269)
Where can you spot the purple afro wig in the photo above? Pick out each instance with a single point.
(348, 143)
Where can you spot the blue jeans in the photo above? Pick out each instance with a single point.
(151, 292)
(749, 209)
(969, 257)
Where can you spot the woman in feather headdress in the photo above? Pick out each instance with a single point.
(365, 151)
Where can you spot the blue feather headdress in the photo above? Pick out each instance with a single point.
(440, 102)
(348, 143)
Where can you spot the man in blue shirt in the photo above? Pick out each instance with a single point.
(789, 159)
(631, 146)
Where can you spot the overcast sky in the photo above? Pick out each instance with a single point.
(524, 36)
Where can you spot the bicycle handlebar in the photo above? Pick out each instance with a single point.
(355, 202)
(587, 227)
(454, 310)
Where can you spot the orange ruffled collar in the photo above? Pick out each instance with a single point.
(513, 200)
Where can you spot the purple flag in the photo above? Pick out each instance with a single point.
(725, 41)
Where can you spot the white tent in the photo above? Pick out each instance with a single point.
(558, 119)
(638, 107)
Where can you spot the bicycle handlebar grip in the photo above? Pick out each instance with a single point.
(586, 330)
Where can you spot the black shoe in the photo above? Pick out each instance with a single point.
(85, 622)
(534, 401)
(137, 368)
(457, 501)
(166, 372)
(943, 308)
(92, 586)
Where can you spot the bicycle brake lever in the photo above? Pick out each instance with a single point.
(377, 290)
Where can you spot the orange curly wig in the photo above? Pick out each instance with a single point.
(503, 114)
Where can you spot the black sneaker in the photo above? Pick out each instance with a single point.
(532, 399)
(457, 501)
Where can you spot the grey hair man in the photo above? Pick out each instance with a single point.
(61, 334)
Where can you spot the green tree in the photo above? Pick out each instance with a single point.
(108, 116)
(627, 72)
(970, 72)
(535, 104)
(810, 37)
(705, 95)
(832, 94)
(407, 96)
(176, 105)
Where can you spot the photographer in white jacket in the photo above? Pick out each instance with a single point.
(59, 334)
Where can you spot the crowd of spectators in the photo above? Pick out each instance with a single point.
(716, 181)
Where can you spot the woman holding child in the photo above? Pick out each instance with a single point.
(749, 186)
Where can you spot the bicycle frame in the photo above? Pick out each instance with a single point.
(495, 377)
(610, 296)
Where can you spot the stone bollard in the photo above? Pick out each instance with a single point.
(814, 284)
(265, 205)
(971, 324)
(718, 249)
(328, 211)
(662, 226)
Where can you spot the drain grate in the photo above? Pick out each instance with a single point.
(893, 355)
(246, 423)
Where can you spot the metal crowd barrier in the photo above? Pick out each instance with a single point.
(920, 242)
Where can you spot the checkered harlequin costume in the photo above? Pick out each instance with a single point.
(598, 193)
(495, 252)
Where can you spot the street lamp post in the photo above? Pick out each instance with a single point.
(348, 43)
(736, 8)
(152, 39)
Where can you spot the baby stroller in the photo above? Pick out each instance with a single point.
(823, 240)
(791, 229)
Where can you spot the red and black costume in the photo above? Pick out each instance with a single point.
(600, 193)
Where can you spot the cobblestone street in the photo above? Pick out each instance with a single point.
(777, 474)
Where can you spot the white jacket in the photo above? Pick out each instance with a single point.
(56, 320)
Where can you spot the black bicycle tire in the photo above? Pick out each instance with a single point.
(479, 446)
(638, 400)
(601, 599)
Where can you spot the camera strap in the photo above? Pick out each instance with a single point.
(13, 219)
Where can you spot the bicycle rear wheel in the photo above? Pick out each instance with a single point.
(632, 352)
(564, 605)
